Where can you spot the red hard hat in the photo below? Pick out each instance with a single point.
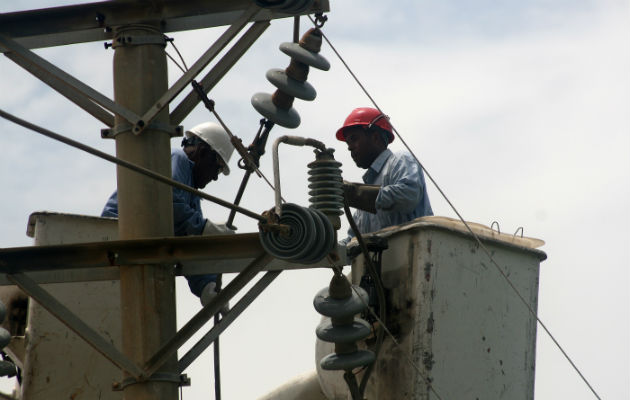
(366, 116)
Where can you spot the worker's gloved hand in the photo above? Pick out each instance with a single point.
(216, 229)
(208, 293)
(361, 196)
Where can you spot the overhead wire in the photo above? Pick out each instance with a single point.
(128, 165)
(477, 239)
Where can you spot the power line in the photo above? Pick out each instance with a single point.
(126, 164)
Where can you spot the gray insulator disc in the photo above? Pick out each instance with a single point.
(336, 362)
(324, 163)
(325, 170)
(359, 330)
(5, 338)
(7, 368)
(333, 179)
(339, 308)
(287, 118)
(299, 242)
(326, 198)
(302, 55)
(326, 192)
(295, 88)
(326, 202)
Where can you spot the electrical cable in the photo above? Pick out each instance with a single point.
(486, 251)
(175, 62)
(128, 165)
(172, 42)
(380, 292)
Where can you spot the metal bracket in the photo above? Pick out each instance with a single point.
(196, 68)
(111, 133)
(136, 40)
(181, 380)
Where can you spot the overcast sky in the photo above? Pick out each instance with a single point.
(520, 110)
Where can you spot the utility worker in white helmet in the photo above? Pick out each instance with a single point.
(205, 153)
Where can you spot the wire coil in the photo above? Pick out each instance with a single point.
(311, 235)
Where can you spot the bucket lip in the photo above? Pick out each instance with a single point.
(484, 233)
(32, 219)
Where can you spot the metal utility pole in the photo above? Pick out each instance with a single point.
(145, 207)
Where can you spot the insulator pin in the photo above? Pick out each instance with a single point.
(326, 185)
(341, 301)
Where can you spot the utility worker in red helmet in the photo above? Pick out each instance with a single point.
(394, 190)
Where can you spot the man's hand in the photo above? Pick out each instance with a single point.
(208, 293)
(216, 229)
(361, 196)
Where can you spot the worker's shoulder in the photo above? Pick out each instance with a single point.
(179, 157)
(402, 156)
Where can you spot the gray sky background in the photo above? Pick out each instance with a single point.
(519, 110)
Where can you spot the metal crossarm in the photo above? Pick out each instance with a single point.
(219, 70)
(206, 313)
(196, 68)
(55, 77)
(234, 312)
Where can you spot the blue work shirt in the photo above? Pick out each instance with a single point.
(187, 216)
(403, 195)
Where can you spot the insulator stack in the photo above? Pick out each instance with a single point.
(286, 6)
(291, 82)
(311, 236)
(340, 303)
(326, 185)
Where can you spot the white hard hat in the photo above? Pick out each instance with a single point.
(214, 134)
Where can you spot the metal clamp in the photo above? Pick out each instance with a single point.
(181, 380)
(320, 20)
(111, 133)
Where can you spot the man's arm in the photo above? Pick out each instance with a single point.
(187, 220)
(404, 188)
